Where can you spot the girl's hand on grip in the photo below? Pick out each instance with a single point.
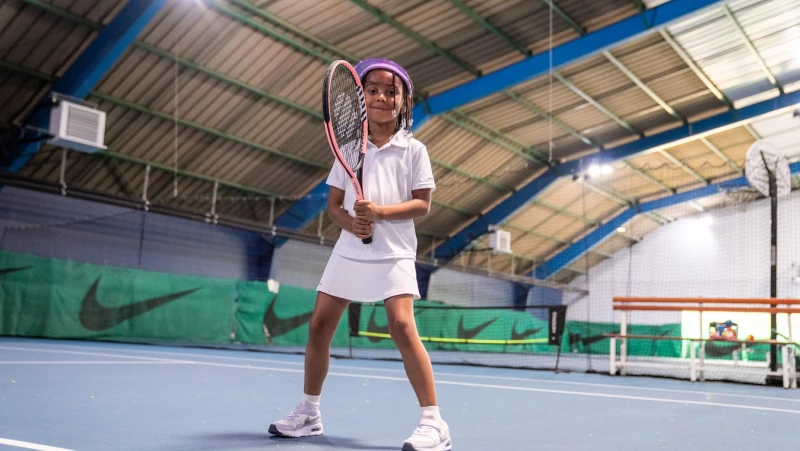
(362, 228)
(367, 211)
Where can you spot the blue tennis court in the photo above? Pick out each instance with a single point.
(584, 214)
(107, 396)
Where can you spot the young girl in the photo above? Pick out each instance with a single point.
(398, 182)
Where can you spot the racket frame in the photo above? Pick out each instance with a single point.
(356, 178)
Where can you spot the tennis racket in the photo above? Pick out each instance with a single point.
(345, 115)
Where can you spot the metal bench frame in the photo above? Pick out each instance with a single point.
(697, 364)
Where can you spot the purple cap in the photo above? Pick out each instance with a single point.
(365, 66)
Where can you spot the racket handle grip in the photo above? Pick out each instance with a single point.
(366, 240)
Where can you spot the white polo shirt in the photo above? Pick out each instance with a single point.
(389, 175)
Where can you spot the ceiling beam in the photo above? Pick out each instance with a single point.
(472, 14)
(752, 48)
(683, 166)
(596, 104)
(425, 42)
(695, 68)
(208, 130)
(720, 154)
(638, 82)
(565, 17)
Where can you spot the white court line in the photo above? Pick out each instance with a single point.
(625, 387)
(469, 384)
(477, 376)
(98, 354)
(502, 387)
(18, 444)
(511, 387)
(88, 362)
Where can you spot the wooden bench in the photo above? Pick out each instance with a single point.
(697, 361)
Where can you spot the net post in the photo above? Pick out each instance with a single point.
(273, 229)
(700, 322)
(612, 357)
(558, 357)
(61, 177)
(702, 366)
(792, 362)
(692, 361)
(772, 191)
(623, 348)
(144, 188)
(559, 316)
(785, 365)
(212, 215)
(272, 211)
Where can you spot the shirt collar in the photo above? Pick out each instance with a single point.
(401, 139)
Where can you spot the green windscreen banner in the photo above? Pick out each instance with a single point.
(286, 320)
(453, 328)
(589, 338)
(48, 297)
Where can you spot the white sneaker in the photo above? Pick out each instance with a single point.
(430, 435)
(304, 421)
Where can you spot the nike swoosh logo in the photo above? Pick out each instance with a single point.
(576, 338)
(592, 340)
(521, 336)
(97, 317)
(276, 326)
(10, 270)
(472, 332)
(372, 325)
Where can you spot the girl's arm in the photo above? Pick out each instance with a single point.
(357, 226)
(417, 207)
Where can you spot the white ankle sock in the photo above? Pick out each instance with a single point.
(311, 401)
(431, 412)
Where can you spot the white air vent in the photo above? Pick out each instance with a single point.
(77, 127)
(500, 241)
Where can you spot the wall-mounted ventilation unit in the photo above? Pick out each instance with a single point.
(77, 127)
(500, 241)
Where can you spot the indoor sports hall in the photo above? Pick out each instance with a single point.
(609, 259)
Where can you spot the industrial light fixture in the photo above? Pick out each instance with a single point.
(596, 170)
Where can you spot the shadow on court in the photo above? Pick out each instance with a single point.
(249, 440)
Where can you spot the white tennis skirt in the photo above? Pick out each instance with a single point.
(369, 280)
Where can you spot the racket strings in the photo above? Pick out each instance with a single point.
(346, 118)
